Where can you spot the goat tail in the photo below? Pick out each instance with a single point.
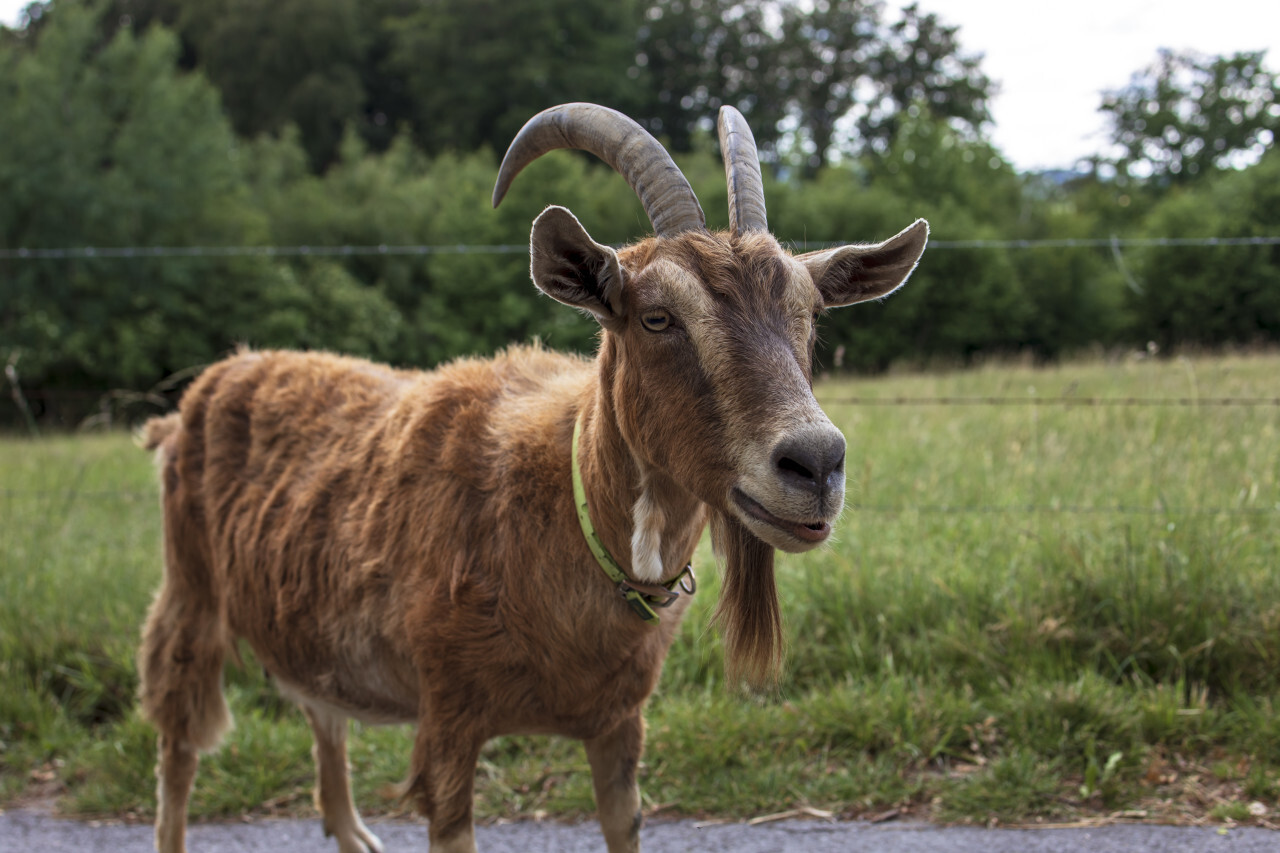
(748, 612)
(157, 429)
(186, 637)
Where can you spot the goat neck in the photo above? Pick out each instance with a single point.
(647, 520)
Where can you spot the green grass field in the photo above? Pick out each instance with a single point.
(1031, 612)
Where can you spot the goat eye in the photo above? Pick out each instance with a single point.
(656, 321)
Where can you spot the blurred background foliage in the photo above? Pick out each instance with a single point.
(328, 123)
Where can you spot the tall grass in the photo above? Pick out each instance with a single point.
(1031, 610)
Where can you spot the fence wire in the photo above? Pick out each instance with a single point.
(1162, 512)
(155, 398)
(1025, 509)
(145, 252)
(1054, 509)
(1192, 402)
(165, 252)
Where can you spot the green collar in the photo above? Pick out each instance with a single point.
(642, 597)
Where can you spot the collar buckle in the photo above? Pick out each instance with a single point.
(660, 595)
(655, 595)
(689, 585)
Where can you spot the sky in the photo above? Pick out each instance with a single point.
(1053, 61)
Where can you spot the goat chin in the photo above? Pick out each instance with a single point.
(793, 537)
(747, 613)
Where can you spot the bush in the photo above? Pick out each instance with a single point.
(1213, 295)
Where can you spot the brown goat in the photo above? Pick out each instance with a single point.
(404, 546)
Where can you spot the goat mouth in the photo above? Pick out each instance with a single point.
(805, 531)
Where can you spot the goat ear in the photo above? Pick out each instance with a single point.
(850, 274)
(570, 267)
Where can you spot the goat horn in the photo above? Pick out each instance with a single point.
(742, 171)
(664, 192)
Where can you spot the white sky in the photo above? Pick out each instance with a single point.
(1054, 60)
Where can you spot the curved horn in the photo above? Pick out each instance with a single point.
(668, 199)
(742, 171)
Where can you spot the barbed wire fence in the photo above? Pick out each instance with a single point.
(143, 252)
(156, 397)
(1159, 511)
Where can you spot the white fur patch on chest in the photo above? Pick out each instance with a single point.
(646, 539)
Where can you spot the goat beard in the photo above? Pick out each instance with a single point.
(747, 613)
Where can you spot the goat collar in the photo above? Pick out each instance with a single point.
(642, 597)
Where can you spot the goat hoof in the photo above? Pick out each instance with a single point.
(361, 841)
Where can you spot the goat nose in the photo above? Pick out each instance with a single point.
(811, 459)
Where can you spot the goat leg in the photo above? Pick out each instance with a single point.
(614, 758)
(333, 783)
(442, 783)
(175, 772)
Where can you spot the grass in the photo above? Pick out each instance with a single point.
(1032, 612)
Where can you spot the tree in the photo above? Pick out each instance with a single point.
(802, 73)
(817, 80)
(1212, 295)
(288, 61)
(693, 56)
(476, 70)
(957, 303)
(109, 145)
(920, 61)
(320, 66)
(1189, 115)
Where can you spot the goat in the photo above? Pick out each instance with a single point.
(407, 546)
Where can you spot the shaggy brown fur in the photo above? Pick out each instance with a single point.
(372, 533)
(403, 546)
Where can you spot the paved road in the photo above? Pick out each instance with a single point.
(28, 830)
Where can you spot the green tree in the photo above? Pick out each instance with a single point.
(841, 68)
(139, 15)
(476, 70)
(1075, 295)
(959, 302)
(802, 72)
(285, 62)
(694, 55)
(451, 303)
(321, 66)
(1188, 115)
(1212, 295)
(109, 145)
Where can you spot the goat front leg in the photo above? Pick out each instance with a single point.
(614, 759)
(175, 772)
(442, 782)
(333, 784)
